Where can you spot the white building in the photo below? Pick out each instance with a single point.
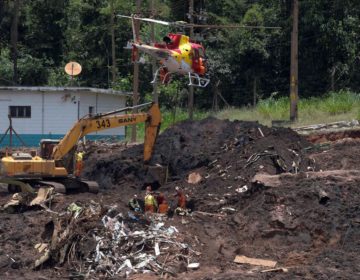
(49, 112)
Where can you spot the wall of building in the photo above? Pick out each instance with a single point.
(102, 104)
(54, 113)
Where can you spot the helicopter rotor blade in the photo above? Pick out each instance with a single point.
(214, 26)
(147, 20)
(189, 25)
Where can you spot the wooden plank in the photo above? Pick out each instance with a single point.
(253, 261)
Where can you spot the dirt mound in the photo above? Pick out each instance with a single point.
(289, 224)
(210, 142)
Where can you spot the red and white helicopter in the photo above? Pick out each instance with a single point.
(177, 53)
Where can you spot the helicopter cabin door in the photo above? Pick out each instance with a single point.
(197, 61)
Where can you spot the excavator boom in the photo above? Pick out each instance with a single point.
(100, 122)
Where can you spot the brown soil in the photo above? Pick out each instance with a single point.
(291, 223)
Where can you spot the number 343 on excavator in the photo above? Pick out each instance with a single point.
(52, 168)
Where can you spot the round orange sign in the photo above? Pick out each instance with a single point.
(73, 68)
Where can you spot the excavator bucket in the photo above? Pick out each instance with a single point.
(152, 127)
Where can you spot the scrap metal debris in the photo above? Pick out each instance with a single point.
(109, 244)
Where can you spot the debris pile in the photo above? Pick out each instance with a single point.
(143, 248)
(223, 147)
(108, 243)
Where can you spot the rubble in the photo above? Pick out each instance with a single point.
(25, 200)
(119, 245)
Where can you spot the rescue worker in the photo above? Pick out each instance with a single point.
(150, 201)
(163, 207)
(79, 162)
(134, 204)
(181, 203)
(160, 198)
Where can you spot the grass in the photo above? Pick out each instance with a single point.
(336, 106)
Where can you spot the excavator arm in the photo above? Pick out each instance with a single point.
(99, 122)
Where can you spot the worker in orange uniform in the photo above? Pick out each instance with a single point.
(163, 207)
(150, 201)
(181, 204)
(160, 198)
(79, 162)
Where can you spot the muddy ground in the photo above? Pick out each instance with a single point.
(308, 221)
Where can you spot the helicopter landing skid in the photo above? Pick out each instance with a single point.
(164, 76)
(194, 79)
(197, 81)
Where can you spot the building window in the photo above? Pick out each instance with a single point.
(91, 110)
(20, 111)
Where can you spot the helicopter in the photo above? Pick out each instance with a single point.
(178, 53)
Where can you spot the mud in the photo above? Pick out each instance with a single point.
(290, 223)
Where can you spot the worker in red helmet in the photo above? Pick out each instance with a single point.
(150, 201)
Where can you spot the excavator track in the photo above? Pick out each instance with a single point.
(73, 185)
(93, 187)
(58, 187)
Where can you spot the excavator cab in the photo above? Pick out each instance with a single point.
(47, 147)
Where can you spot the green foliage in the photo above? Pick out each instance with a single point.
(58, 78)
(33, 69)
(52, 32)
(123, 84)
(340, 102)
(6, 67)
(169, 95)
(30, 68)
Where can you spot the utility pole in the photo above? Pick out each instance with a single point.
(294, 71)
(191, 88)
(136, 70)
(153, 61)
(112, 30)
(255, 92)
(14, 39)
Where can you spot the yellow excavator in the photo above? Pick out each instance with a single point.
(23, 171)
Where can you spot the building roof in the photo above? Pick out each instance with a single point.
(67, 89)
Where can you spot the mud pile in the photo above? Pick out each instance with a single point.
(262, 192)
(207, 143)
(234, 215)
